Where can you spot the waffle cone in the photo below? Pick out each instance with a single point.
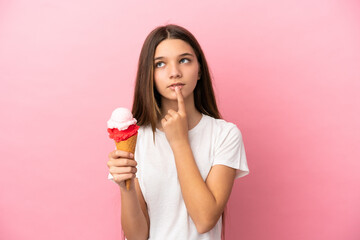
(128, 146)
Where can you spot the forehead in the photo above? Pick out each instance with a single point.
(173, 47)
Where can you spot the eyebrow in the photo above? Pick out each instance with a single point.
(181, 55)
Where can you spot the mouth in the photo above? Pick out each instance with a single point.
(172, 86)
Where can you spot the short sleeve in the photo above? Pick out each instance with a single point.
(230, 150)
(110, 177)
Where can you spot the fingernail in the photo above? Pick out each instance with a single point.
(131, 155)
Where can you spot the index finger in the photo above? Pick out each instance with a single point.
(121, 154)
(180, 99)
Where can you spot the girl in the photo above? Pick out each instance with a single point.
(186, 156)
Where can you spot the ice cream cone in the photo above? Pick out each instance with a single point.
(123, 129)
(127, 145)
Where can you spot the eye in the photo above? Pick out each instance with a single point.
(185, 60)
(159, 64)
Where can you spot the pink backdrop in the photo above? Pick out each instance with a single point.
(286, 72)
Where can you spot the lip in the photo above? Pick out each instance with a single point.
(172, 86)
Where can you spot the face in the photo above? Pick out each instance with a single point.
(175, 64)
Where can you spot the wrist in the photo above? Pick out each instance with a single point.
(122, 185)
(180, 145)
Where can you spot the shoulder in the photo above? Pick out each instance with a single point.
(144, 129)
(228, 146)
(226, 136)
(222, 128)
(145, 134)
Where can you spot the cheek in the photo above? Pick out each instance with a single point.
(159, 83)
(194, 75)
(159, 76)
(195, 71)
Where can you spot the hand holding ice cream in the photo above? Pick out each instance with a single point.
(123, 129)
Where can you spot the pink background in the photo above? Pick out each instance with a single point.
(286, 72)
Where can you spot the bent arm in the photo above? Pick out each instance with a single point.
(205, 201)
(134, 217)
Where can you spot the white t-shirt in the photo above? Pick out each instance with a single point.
(213, 141)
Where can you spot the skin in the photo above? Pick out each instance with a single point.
(204, 200)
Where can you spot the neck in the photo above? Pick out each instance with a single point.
(193, 115)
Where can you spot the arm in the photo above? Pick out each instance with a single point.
(134, 216)
(205, 201)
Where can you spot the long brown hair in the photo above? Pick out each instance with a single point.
(147, 100)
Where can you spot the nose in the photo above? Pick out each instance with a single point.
(174, 71)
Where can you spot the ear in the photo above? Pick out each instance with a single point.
(199, 75)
